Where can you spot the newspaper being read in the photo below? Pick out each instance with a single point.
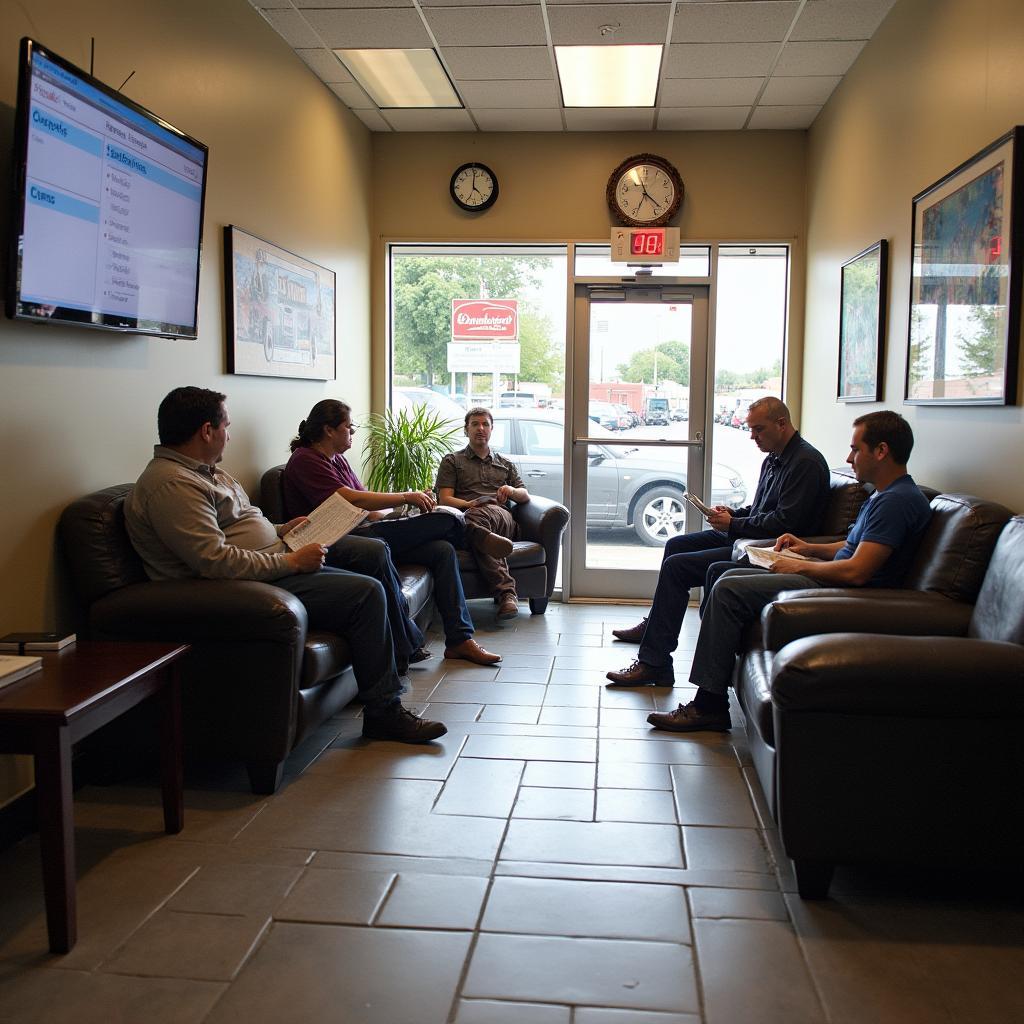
(698, 504)
(766, 557)
(326, 525)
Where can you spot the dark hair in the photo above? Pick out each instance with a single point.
(184, 411)
(478, 410)
(328, 413)
(889, 428)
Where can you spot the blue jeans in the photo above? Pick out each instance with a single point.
(431, 540)
(352, 606)
(737, 600)
(368, 556)
(683, 565)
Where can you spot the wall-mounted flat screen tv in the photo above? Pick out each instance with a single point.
(108, 206)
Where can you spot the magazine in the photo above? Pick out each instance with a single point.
(765, 558)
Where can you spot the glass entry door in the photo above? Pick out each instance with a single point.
(637, 441)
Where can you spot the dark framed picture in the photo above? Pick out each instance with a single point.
(862, 301)
(280, 310)
(965, 288)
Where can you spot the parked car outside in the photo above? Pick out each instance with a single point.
(409, 398)
(605, 414)
(626, 487)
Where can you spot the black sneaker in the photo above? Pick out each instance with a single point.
(690, 718)
(399, 723)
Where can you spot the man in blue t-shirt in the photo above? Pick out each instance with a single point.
(877, 553)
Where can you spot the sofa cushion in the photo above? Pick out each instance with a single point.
(96, 544)
(999, 613)
(754, 682)
(846, 495)
(957, 546)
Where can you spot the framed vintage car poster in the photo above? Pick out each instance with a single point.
(280, 310)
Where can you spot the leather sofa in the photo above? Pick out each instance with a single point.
(257, 680)
(533, 562)
(953, 565)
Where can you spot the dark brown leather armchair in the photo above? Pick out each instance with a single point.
(533, 563)
(906, 748)
(257, 681)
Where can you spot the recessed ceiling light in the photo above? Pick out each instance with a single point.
(608, 76)
(401, 78)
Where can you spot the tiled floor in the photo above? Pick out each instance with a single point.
(550, 861)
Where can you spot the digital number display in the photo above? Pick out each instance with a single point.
(647, 243)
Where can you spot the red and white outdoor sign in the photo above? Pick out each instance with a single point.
(485, 320)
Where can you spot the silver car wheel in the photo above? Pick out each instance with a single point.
(660, 516)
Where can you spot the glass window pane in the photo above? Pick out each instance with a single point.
(749, 344)
(595, 261)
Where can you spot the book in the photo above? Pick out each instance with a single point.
(765, 558)
(20, 643)
(326, 524)
(448, 510)
(14, 667)
(698, 504)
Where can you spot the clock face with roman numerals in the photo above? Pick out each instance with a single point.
(474, 187)
(644, 191)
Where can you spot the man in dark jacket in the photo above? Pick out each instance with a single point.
(791, 497)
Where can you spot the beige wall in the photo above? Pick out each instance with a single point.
(743, 186)
(287, 162)
(940, 80)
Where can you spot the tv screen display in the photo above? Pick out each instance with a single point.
(108, 217)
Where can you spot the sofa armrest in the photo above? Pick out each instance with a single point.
(542, 521)
(198, 610)
(917, 677)
(786, 621)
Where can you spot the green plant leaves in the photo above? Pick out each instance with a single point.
(404, 448)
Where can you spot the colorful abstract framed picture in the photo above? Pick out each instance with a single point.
(965, 288)
(280, 310)
(862, 297)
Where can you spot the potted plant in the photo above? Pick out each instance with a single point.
(405, 447)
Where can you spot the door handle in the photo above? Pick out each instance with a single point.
(534, 473)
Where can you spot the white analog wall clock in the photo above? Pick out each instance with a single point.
(474, 187)
(644, 191)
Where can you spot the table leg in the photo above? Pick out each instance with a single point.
(57, 835)
(171, 770)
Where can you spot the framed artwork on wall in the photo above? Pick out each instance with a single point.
(965, 287)
(280, 310)
(862, 301)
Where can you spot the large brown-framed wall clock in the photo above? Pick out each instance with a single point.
(644, 191)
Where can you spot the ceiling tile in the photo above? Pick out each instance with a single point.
(719, 60)
(708, 92)
(351, 4)
(609, 119)
(817, 58)
(326, 65)
(484, 26)
(509, 95)
(292, 27)
(372, 120)
(841, 19)
(633, 24)
(735, 22)
(700, 119)
(353, 96)
(475, 3)
(518, 120)
(783, 91)
(359, 29)
(428, 120)
(485, 63)
(784, 117)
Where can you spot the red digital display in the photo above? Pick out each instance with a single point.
(647, 243)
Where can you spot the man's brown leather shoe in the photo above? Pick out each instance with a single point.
(633, 635)
(470, 650)
(508, 608)
(492, 544)
(690, 718)
(641, 674)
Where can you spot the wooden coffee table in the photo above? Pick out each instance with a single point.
(77, 691)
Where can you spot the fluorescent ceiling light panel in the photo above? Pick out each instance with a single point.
(401, 78)
(608, 76)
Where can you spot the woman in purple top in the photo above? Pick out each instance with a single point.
(318, 468)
